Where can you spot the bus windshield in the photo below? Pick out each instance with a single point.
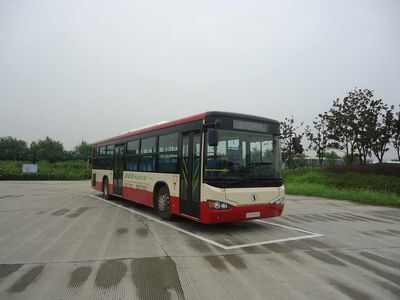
(243, 155)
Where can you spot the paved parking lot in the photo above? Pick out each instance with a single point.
(58, 240)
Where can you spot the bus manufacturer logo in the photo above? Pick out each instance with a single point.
(253, 197)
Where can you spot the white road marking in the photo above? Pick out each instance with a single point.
(284, 226)
(164, 223)
(274, 241)
(204, 239)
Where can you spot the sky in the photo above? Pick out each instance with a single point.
(87, 70)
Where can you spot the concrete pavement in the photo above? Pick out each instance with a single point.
(58, 242)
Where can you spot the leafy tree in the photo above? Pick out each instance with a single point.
(13, 149)
(396, 134)
(373, 125)
(318, 137)
(289, 131)
(70, 155)
(340, 128)
(383, 132)
(47, 149)
(359, 123)
(83, 151)
(331, 157)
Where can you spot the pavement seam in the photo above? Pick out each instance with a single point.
(194, 256)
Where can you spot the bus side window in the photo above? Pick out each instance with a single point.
(148, 154)
(110, 156)
(95, 157)
(168, 153)
(133, 156)
(102, 157)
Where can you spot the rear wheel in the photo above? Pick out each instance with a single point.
(106, 189)
(163, 203)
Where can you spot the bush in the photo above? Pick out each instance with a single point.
(368, 187)
(66, 170)
(382, 169)
(344, 179)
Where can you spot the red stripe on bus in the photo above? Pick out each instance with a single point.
(238, 213)
(155, 127)
(99, 187)
(139, 196)
(146, 198)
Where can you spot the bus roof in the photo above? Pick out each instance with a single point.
(168, 124)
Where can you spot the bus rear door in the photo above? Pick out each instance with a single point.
(190, 174)
(119, 157)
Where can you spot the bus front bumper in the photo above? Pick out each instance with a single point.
(239, 213)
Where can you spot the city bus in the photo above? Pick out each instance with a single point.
(212, 167)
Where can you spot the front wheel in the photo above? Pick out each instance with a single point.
(106, 189)
(163, 203)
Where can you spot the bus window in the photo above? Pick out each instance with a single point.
(147, 151)
(110, 157)
(102, 151)
(133, 163)
(101, 161)
(148, 146)
(132, 156)
(168, 153)
(168, 143)
(133, 148)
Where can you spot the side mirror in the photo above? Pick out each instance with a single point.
(212, 137)
(298, 148)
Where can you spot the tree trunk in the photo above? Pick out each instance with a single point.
(377, 154)
(321, 158)
(365, 156)
(360, 156)
(382, 153)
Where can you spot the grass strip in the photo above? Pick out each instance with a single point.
(359, 195)
(66, 170)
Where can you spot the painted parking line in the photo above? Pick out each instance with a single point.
(224, 247)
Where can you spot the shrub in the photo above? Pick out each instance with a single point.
(67, 170)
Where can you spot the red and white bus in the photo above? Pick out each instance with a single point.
(212, 167)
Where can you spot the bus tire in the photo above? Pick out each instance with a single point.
(163, 203)
(106, 189)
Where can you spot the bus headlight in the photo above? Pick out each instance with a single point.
(213, 204)
(279, 201)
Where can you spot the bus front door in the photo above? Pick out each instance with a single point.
(119, 154)
(190, 174)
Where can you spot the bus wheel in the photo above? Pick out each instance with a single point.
(106, 189)
(163, 203)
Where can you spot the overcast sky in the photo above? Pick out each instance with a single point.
(85, 70)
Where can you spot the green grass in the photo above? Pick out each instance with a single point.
(66, 170)
(360, 187)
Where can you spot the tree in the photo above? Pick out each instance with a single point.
(383, 132)
(47, 149)
(396, 133)
(13, 149)
(319, 137)
(359, 123)
(288, 132)
(331, 157)
(83, 151)
(340, 128)
(373, 125)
